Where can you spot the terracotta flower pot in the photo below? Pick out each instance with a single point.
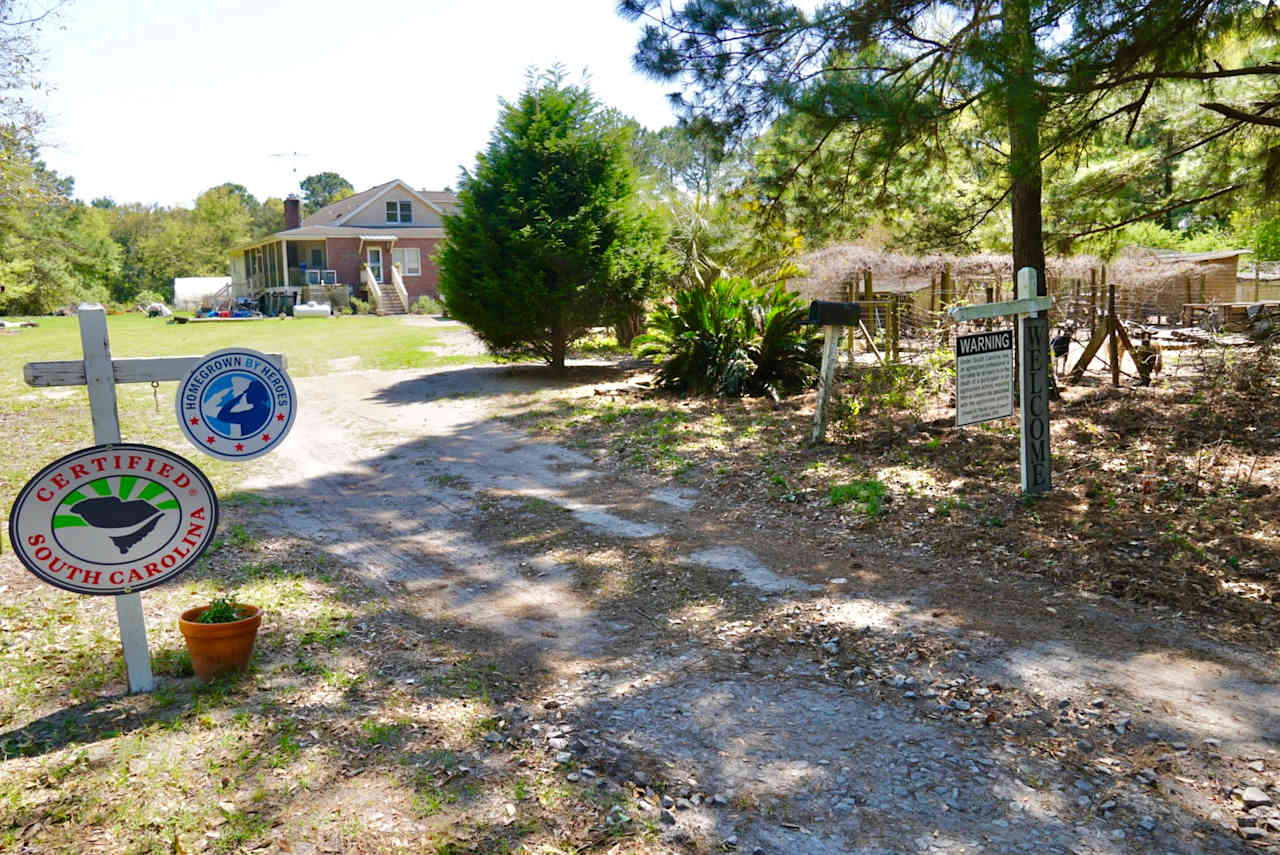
(217, 648)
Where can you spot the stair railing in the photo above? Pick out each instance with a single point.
(398, 281)
(371, 286)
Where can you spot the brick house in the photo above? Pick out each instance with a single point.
(378, 243)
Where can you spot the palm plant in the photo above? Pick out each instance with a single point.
(731, 338)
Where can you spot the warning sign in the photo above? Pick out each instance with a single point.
(984, 377)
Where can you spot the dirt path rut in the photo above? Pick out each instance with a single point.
(840, 740)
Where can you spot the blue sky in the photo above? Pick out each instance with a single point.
(158, 101)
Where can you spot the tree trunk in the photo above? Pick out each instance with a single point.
(1025, 112)
(628, 328)
(559, 348)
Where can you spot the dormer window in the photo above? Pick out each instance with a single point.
(399, 212)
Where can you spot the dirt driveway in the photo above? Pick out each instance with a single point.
(756, 694)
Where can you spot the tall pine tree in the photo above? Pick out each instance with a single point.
(898, 79)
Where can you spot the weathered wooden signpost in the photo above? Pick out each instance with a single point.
(118, 518)
(832, 317)
(982, 383)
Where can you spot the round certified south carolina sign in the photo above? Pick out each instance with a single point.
(235, 404)
(113, 519)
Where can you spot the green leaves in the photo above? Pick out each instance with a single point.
(868, 495)
(732, 338)
(550, 238)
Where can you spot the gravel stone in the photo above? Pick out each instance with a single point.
(1254, 797)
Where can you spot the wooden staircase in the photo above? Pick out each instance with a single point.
(390, 302)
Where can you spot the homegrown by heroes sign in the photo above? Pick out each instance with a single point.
(113, 519)
(235, 404)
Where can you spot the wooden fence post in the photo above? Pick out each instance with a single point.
(868, 295)
(946, 300)
(895, 326)
(852, 297)
(1093, 300)
(1113, 340)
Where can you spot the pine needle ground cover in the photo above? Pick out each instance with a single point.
(1162, 496)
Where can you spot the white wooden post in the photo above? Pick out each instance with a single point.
(830, 350)
(1033, 358)
(100, 379)
(100, 373)
(1033, 391)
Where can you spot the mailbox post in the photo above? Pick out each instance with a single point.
(832, 317)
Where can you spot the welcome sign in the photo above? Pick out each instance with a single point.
(113, 519)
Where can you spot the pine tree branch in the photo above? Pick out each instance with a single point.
(1248, 118)
(1146, 215)
(1244, 71)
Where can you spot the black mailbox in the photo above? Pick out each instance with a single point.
(826, 313)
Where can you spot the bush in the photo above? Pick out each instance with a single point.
(359, 307)
(338, 297)
(883, 390)
(145, 297)
(732, 338)
(425, 305)
(1267, 240)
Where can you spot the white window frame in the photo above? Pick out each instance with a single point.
(402, 213)
(400, 256)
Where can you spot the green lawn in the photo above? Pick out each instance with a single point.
(289, 756)
(38, 425)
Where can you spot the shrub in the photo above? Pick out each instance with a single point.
(732, 338)
(359, 307)
(145, 297)
(338, 297)
(885, 389)
(427, 306)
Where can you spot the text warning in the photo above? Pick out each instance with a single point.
(984, 377)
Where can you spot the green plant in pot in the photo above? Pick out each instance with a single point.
(220, 636)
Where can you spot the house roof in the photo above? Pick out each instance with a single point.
(343, 210)
(329, 221)
(445, 200)
(363, 232)
(1176, 257)
(332, 214)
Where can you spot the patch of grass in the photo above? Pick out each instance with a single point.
(381, 732)
(949, 504)
(325, 629)
(471, 678)
(538, 506)
(868, 495)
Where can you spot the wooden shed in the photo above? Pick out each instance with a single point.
(1218, 269)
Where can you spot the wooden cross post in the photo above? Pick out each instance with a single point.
(100, 373)
(1033, 339)
(832, 317)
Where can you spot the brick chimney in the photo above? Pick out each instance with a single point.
(292, 212)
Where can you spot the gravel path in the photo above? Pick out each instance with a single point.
(841, 738)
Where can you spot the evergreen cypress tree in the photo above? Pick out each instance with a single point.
(550, 238)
